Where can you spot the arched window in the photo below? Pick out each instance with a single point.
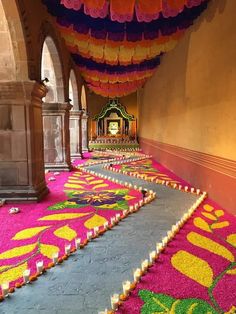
(83, 98)
(73, 91)
(52, 70)
(13, 56)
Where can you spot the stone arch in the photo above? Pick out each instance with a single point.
(13, 54)
(51, 68)
(73, 90)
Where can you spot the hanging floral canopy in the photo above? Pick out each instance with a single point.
(117, 44)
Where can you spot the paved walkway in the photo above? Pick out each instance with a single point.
(84, 283)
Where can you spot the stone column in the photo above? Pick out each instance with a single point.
(76, 133)
(84, 132)
(21, 141)
(56, 136)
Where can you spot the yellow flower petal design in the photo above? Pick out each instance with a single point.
(201, 224)
(48, 250)
(95, 221)
(13, 273)
(73, 186)
(210, 245)
(219, 225)
(100, 186)
(232, 239)
(66, 233)
(208, 208)
(193, 267)
(209, 216)
(76, 179)
(231, 271)
(90, 178)
(64, 216)
(18, 251)
(96, 182)
(219, 213)
(29, 233)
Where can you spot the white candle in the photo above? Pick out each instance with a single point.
(186, 188)
(26, 275)
(77, 242)
(96, 230)
(114, 301)
(126, 287)
(192, 190)
(105, 225)
(39, 266)
(117, 217)
(89, 235)
(113, 220)
(137, 274)
(180, 187)
(131, 208)
(152, 256)
(144, 265)
(67, 248)
(55, 257)
(5, 289)
(141, 203)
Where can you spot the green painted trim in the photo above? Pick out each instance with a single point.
(114, 104)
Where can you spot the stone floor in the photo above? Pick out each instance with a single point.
(84, 283)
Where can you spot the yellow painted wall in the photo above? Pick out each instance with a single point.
(191, 100)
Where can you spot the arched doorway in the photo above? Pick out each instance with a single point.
(84, 120)
(21, 157)
(75, 118)
(55, 110)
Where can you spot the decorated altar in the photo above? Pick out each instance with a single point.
(113, 127)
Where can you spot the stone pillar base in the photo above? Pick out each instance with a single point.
(24, 194)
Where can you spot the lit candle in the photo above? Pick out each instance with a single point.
(5, 289)
(180, 187)
(144, 265)
(137, 274)
(131, 208)
(141, 203)
(186, 188)
(135, 206)
(192, 190)
(39, 266)
(117, 217)
(26, 275)
(55, 257)
(126, 287)
(152, 256)
(105, 225)
(89, 235)
(67, 249)
(114, 301)
(96, 230)
(113, 220)
(77, 242)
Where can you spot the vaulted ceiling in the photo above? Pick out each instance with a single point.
(117, 44)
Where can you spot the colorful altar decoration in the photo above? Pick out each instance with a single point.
(113, 126)
(118, 47)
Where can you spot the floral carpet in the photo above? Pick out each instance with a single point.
(78, 202)
(150, 170)
(196, 273)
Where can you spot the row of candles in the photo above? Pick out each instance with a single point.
(163, 182)
(128, 286)
(150, 195)
(117, 160)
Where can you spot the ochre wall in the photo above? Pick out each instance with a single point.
(190, 101)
